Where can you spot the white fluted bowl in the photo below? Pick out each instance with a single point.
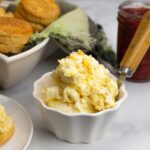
(75, 127)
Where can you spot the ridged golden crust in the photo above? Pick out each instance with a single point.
(14, 27)
(14, 34)
(4, 137)
(41, 12)
(10, 49)
(38, 8)
(36, 27)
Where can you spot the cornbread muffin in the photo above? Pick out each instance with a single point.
(38, 12)
(6, 126)
(14, 34)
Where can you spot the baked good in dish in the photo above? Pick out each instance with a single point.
(3, 13)
(36, 27)
(38, 12)
(7, 128)
(14, 34)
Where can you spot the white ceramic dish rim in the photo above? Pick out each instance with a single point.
(31, 122)
(119, 103)
(21, 55)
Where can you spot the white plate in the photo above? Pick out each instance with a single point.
(23, 125)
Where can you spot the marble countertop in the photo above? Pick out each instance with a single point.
(131, 128)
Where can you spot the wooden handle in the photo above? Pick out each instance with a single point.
(139, 44)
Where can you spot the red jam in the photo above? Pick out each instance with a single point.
(129, 17)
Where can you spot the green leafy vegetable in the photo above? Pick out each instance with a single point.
(71, 29)
(103, 49)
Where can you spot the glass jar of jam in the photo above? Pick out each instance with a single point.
(129, 17)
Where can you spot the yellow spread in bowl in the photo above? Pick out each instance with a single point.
(81, 84)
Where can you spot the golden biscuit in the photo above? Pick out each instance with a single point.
(10, 49)
(14, 34)
(41, 12)
(6, 126)
(4, 137)
(36, 27)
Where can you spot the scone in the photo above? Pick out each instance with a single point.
(38, 12)
(6, 126)
(36, 27)
(3, 13)
(14, 34)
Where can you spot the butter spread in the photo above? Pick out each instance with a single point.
(81, 84)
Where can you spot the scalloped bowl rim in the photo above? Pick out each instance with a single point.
(119, 103)
(25, 53)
